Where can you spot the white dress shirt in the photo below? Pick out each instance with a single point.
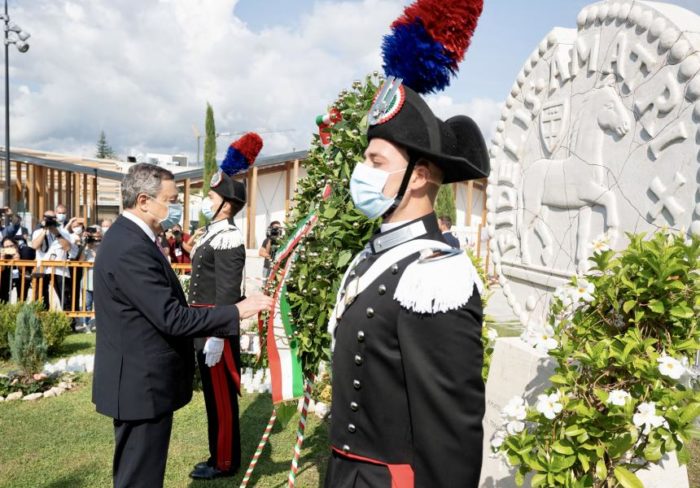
(143, 225)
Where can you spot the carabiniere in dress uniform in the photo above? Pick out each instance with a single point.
(218, 264)
(408, 396)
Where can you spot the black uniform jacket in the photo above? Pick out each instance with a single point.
(218, 261)
(407, 386)
(144, 363)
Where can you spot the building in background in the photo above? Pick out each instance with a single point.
(91, 188)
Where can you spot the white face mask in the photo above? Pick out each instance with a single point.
(78, 230)
(61, 217)
(206, 208)
(367, 186)
(104, 229)
(173, 216)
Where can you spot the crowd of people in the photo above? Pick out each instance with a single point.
(57, 237)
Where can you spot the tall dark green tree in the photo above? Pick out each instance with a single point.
(445, 203)
(210, 166)
(104, 150)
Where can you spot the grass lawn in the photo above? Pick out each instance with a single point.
(62, 442)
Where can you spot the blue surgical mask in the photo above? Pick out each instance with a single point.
(206, 210)
(174, 215)
(366, 186)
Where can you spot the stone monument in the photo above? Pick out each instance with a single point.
(599, 136)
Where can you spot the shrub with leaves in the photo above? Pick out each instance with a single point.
(55, 325)
(27, 343)
(624, 392)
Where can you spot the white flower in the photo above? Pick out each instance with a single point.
(564, 294)
(670, 367)
(498, 438)
(514, 409)
(515, 427)
(646, 416)
(583, 291)
(540, 336)
(618, 397)
(549, 405)
(492, 334)
(601, 244)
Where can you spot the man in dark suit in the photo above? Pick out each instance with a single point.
(144, 364)
(445, 224)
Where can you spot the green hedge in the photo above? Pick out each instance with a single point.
(54, 325)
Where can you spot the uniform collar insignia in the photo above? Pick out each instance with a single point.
(218, 225)
(407, 232)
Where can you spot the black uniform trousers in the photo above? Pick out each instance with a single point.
(220, 385)
(141, 451)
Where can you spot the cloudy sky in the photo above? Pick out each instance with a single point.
(143, 70)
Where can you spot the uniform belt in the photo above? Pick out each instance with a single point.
(228, 361)
(401, 474)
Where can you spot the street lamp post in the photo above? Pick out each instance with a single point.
(19, 39)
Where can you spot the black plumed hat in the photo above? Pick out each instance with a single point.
(456, 145)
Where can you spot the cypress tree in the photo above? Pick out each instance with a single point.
(210, 166)
(445, 203)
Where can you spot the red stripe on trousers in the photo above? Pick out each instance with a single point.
(223, 409)
(401, 474)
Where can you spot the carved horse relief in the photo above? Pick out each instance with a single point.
(576, 182)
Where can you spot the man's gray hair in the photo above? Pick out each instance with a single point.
(143, 178)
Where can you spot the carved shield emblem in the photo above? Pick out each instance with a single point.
(554, 122)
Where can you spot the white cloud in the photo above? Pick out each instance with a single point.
(143, 71)
(485, 111)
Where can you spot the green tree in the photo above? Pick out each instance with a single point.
(445, 203)
(104, 150)
(210, 166)
(27, 343)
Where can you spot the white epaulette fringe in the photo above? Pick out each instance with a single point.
(438, 285)
(227, 239)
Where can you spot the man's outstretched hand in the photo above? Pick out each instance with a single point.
(253, 304)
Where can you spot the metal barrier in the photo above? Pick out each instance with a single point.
(65, 285)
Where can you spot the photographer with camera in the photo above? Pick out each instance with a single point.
(53, 243)
(9, 252)
(91, 239)
(270, 245)
(177, 239)
(14, 227)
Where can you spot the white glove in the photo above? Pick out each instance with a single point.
(213, 349)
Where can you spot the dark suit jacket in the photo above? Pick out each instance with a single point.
(144, 362)
(451, 239)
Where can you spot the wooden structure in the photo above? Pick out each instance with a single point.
(40, 181)
(91, 188)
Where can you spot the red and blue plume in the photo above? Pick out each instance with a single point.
(241, 154)
(428, 41)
